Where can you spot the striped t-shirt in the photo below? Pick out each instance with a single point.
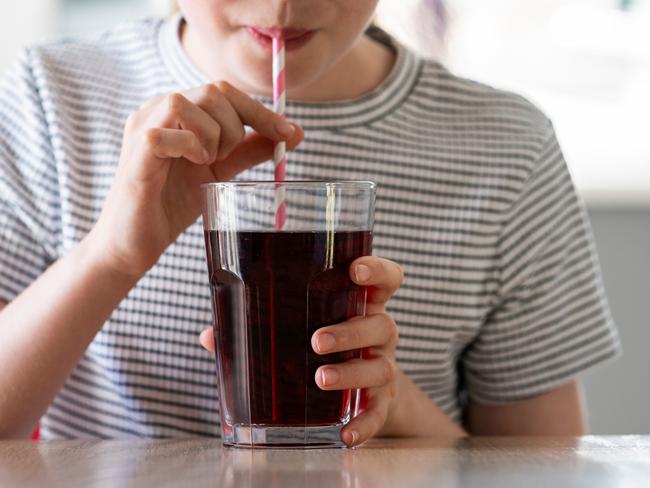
(502, 298)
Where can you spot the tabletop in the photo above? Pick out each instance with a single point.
(474, 462)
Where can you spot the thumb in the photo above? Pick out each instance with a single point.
(254, 149)
(207, 339)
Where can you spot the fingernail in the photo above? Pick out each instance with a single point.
(325, 342)
(206, 156)
(284, 128)
(329, 376)
(355, 437)
(362, 273)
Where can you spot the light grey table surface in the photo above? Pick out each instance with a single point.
(479, 462)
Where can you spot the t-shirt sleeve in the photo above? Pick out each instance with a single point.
(29, 217)
(550, 320)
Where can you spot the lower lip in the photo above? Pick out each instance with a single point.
(289, 44)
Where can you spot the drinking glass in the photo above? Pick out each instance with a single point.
(272, 288)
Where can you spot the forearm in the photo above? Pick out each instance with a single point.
(556, 412)
(45, 331)
(414, 414)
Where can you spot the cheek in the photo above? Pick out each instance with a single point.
(358, 12)
(206, 14)
(353, 17)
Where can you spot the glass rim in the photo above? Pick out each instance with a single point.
(292, 183)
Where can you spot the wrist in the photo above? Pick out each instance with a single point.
(92, 255)
(393, 426)
(413, 414)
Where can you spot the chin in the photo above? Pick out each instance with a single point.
(254, 67)
(256, 77)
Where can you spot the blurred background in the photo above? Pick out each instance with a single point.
(585, 63)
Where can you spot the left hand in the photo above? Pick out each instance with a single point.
(376, 333)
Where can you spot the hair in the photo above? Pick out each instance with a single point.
(440, 13)
(423, 26)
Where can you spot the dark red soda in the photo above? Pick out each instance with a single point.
(271, 292)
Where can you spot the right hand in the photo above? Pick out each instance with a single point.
(171, 145)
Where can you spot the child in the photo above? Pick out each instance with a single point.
(103, 143)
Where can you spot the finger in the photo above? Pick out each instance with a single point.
(373, 330)
(175, 143)
(179, 112)
(210, 99)
(383, 277)
(207, 339)
(368, 424)
(356, 373)
(255, 114)
(254, 149)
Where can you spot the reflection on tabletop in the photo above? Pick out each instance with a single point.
(478, 462)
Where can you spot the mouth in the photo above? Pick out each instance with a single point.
(293, 38)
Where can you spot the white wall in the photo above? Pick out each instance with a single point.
(24, 22)
(27, 21)
(586, 63)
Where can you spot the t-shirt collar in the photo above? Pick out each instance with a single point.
(384, 99)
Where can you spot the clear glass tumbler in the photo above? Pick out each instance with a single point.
(272, 288)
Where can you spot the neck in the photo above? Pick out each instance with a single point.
(358, 72)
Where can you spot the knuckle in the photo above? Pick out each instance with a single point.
(133, 120)
(358, 374)
(388, 371)
(400, 278)
(391, 328)
(352, 336)
(138, 117)
(223, 87)
(392, 391)
(214, 143)
(148, 105)
(211, 94)
(175, 103)
(230, 140)
(152, 138)
(194, 142)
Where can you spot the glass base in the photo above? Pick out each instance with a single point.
(266, 436)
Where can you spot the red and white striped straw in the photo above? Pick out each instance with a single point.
(280, 153)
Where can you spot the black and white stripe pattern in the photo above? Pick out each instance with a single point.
(502, 298)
